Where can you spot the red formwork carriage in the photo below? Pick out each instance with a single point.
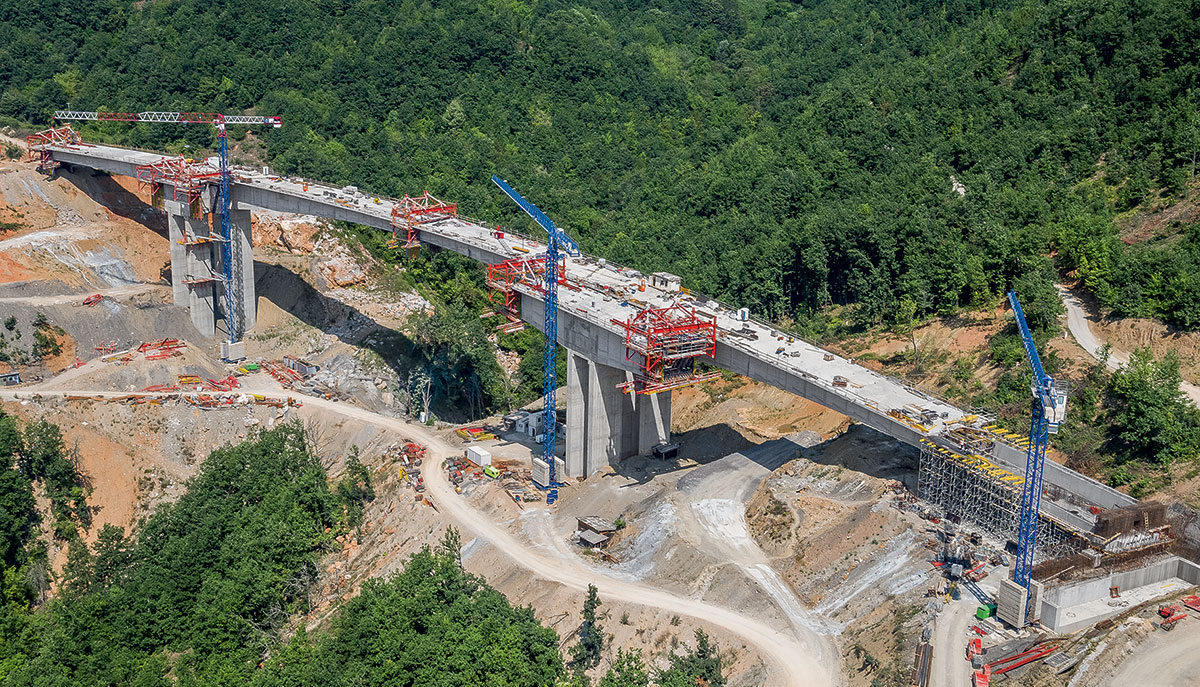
(667, 342)
(502, 277)
(188, 180)
(38, 145)
(410, 213)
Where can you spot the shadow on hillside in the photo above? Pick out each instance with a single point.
(104, 190)
(870, 452)
(860, 449)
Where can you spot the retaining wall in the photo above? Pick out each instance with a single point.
(1060, 599)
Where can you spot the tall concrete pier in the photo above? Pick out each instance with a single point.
(605, 424)
(197, 267)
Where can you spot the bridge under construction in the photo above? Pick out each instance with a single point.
(631, 337)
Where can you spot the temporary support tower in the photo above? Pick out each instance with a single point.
(1049, 411)
(666, 343)
(410, 213)
(231, 255)
(557, 242)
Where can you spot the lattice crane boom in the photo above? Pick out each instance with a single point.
(1049, 411)
(556, 241)
(229, 254)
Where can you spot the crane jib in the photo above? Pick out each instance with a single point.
(167, 117)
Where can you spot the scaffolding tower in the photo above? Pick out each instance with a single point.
(971, 488)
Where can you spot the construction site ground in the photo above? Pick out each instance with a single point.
(783, 531)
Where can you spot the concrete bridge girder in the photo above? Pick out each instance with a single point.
(598, 349)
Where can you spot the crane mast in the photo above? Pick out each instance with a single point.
(1048, 412)
(231, 257)
(556, 241)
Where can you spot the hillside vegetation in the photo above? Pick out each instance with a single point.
(907, 156)
(212, 589)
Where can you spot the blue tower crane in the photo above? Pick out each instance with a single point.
(231, 258)
(1049, 411)
(556, 241)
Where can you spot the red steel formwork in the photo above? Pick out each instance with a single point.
(668, 341)
(188, 180)
(503, 276)
(37, 144)
(410, 213)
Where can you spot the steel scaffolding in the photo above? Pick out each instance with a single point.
(410, 213)
(973, 489)
(666, 343)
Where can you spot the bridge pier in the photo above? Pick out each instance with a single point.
(604, 424)
(196, 268)
(193, 262)
(243, 268)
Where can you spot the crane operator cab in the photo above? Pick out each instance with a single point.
(1054, 407)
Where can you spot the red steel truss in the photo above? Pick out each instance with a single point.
(37, 144)
(504, 276)
(668, 341)
(410, 213)
(187, 179)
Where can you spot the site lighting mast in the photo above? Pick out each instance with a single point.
(556, 241)
(1049, 411)
(229, 254)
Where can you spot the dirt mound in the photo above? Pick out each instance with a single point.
(720, 417)
(294, 234)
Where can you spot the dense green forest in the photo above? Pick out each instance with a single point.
(207, 589)
(782, 155)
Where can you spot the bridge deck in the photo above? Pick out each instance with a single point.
(586, 311)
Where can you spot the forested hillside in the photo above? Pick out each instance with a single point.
(210, 590)
(897, 156)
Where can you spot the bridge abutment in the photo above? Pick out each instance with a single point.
(604, 424)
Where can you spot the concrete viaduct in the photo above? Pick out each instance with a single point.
(604, 424)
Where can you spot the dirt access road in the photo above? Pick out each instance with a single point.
(1170, 659)
(1078, 324)
(77, 298)
(791, 663)
(950, 666)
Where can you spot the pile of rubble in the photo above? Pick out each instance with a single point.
(295, 234)
(394, 306)
(338, 265)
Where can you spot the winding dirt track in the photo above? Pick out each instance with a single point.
(791, 664)
(1078, 324)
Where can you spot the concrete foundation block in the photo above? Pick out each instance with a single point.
(233, 352)
(1011, 603)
